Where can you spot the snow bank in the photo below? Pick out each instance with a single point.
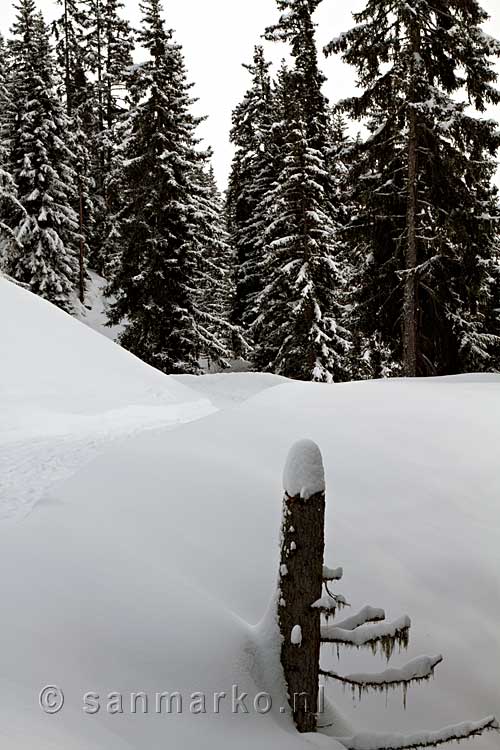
(51, 360)
(231, 388)
(412, 515)
(66, 393)
(145, 569)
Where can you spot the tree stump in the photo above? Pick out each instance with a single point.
(300, 580)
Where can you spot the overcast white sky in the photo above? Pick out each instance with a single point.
(219, 35)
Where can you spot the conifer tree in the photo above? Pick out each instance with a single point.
(10, 208)
(109, 43)
(165, 214)
(251, 176)
(42, 163)
(298, 325)
(70, 35)
(425, 230)
(108, 58)
(216, 283)
(69, 31)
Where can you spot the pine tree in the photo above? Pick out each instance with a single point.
(425, 230)
(108, 59)
(298, 326)
(70, 32)
(70, 48)
(216, 290)
(165, 215)
(10, 208)
(252, 174)
(109, 44)
(47, 234)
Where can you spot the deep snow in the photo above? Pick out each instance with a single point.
(66, 392)
(145, 563)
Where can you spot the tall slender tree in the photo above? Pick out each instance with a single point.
(69, 31)
(109, 44)
(251, 177)
(10, 208)
(47, 232)
(216, 288)
(165, 214)
(298, 325)
(425, 230)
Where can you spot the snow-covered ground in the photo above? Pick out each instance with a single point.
(140, 546)
(66, 393)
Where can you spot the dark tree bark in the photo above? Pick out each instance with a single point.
(300, 584)
(70, 104)
(81, 258)
(410, 303)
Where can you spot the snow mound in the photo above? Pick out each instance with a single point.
(67, 392)
(304, 473)
(144, 569)
(231, 388)
(50, 358)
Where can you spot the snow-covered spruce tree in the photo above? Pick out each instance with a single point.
(425, 230)
(252, 174)
(69, 31)
(216, 284)
(42, 166)
(109, 44)
(298, 327)
(10, 208)
(306, 606)
(164, 216)
(108, 57)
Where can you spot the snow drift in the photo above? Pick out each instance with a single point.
(49, 357)
(65, 392)
(147, 569)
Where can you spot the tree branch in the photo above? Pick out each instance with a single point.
(457, 732)
(416, 670)
(384, 636)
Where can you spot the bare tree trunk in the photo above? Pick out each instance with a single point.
(410, 303)
(82, 244)
(69, 110)
(300, 585)
(100, 96)
(67, 75)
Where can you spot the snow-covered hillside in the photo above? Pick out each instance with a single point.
(146, 562)
(66, 392)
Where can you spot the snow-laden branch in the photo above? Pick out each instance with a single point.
(367, 614)
(384, 635)
(457, 732)
(416, 670)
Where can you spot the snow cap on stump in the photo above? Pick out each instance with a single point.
(304, 473)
